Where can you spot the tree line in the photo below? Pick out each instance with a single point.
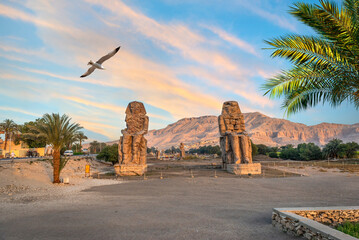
(334, 149)
(28, 133)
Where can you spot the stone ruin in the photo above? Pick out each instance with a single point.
(235, 143)
(132, 147)
(158, 154)
(182, 151)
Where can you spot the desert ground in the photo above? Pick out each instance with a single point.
(193, 200)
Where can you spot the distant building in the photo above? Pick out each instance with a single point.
(20, 150)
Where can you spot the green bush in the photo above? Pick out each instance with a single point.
(349, 228)
(273, 155)
(109, 154)
(254, 149)
(303, 152)
(207, 150)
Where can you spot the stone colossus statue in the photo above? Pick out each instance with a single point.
(133, 145)
(235, 144)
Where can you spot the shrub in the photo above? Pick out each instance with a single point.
(349, 228)
(109, 154)
(273, 155)
(262, 149)
(207, 150)
(254, 149)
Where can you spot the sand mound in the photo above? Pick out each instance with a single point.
(32, 176)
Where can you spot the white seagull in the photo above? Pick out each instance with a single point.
(99, 62)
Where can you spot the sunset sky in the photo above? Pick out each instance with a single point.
(181, 58)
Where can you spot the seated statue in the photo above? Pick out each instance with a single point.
(132, 148)
(235, 143)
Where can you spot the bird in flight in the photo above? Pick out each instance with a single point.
(99, 62)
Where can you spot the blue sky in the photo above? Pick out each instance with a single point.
(181, 58)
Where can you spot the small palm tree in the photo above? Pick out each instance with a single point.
(80, 136)
(93, 146)
(326, 67)
(9, 127)
(332, 148)
(58, 131)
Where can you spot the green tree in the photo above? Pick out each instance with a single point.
(94, 146)
(254, 149)
(57, 130)
(289, 152)
(332, 148)
(76, 148)
(80, 136)
(9, 128)
(309, 151)
(109, 154)
(350, 149)
(326, 67)
(262, 149)
(29, 134)
(273, 155)
(206, 150)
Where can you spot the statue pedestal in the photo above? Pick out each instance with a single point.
(244, 168)
(130, 170)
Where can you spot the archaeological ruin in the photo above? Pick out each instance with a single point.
(234, 141)
(132, 147)
(182, 151)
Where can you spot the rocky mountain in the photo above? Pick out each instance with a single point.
(199, 131)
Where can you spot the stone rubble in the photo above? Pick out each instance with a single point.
(331, 217)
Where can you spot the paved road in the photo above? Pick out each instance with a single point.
(178, 208)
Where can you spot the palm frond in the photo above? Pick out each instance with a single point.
(326, 68)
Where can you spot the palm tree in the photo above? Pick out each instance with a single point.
(9, 127)
(326, 67)
(80, 136)
(93, 146)
(58, 131)
(332, 148)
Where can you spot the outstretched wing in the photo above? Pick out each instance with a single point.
(89, 71)
(108, 56)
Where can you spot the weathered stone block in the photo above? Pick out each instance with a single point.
(244, 169)
(130, 170)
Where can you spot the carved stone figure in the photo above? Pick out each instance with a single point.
(182, 152)
(235, 144)
(158, 154)
(132, 149)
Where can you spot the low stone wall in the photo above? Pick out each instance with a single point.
(295, 222)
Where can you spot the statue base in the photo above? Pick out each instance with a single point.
(130, 170)
(244, 168)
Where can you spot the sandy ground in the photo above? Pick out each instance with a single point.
(170, 208)
(315, 171)
(32, 180)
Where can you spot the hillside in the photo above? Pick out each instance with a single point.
(261, 128)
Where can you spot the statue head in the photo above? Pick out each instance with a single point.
(135, 108)
(230, 107)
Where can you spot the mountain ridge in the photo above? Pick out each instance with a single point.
(262, 129)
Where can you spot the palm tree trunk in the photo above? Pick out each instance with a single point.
(56, 165)
(5, 144)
